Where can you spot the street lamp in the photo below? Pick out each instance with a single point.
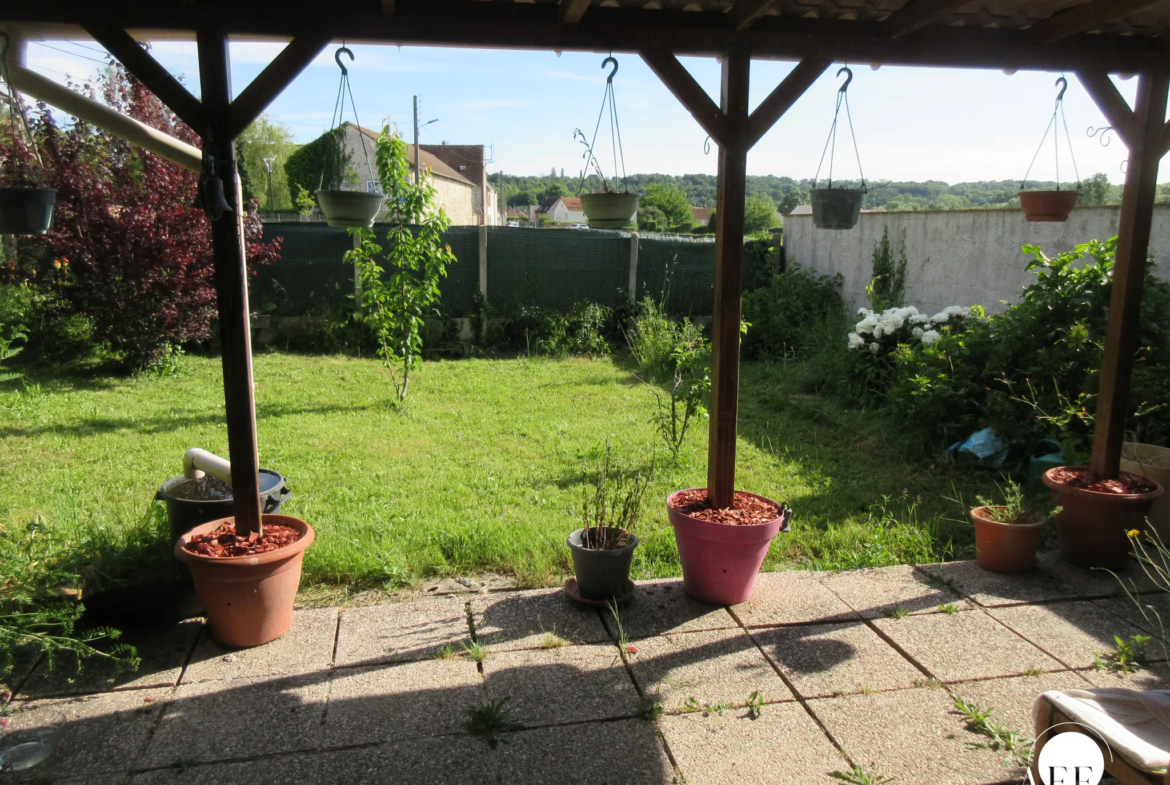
(268, 165)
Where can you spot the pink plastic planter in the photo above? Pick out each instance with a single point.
(719, 561)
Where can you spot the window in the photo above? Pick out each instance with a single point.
(462, 167)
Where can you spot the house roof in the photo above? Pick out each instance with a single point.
(437, 167)
(702, 214)
(572, 203)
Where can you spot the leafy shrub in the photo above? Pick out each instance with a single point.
(580, 332)
(792, 313)
(887, 287)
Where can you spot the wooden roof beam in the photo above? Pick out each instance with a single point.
(272, 81)
(918, 15)
(571, 11)
(783, 97)
(689, 93)
(1083, 18)
(746, 13)
(1112, 105)
(157, 79)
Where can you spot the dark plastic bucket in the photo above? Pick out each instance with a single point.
(601, 575)
(26, 210)
(836, 208)
(185, 514)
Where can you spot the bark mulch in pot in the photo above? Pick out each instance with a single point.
(224, 542)
(745, 509)
(1126, 483)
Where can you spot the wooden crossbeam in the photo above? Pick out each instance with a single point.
(689, 93)
(917, 15)
(746, 13)
(1112, 104)
(272, 81)
(1083, 18)
(783, 97)
(571, 11)
(157, 79)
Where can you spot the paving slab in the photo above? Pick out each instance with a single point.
(963, 646)
(782, 746)
(217, 720)
(662, 606)
(829, 659)
(272, 770)
(1011, 699)
(1153, 617)
(1085, 583)
(104, 734)
(1072, 632)
(306, 647)
(526, 620)
(705, 668)
(792, 597)
(990, 589)
(910, 736)
(570, 684)
(163, 650)
(451, 760)
(1150, 676)
(627, 752)
(403, 631)
(881, 592)
(403, 701)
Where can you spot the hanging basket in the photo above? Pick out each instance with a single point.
(836, 208)
(610, 210)
(25, 210)
(349, 208)
(1048, 206)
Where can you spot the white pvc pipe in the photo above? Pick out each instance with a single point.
(197, 461)
(99, 114)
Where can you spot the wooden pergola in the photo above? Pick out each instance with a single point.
(1093, 39)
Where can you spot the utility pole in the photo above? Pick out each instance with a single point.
(268, 161)
(416, 169)
(503, 206)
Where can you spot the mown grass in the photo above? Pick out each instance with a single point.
(480, 471)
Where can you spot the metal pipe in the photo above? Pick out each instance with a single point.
(98, 114)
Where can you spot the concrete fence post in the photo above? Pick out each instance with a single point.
(483, 289)
(633, 267)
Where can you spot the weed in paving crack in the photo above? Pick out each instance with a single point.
(490, 720)
(446, 653)
(755, 704)
(476, 650)
(1127, 657)
(859, 776)
(649, 706)
(949, 607)
(1016, 746)
(897, 612)
(183, 765)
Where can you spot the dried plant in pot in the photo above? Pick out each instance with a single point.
(1007, 534)
(603, 548)
(608, 208)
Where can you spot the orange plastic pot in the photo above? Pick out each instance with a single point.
(249, 599)
(1006, 548)
(1048, 206)
(1092, 526)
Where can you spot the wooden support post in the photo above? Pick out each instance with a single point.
(729, 215)
(632, 287)
(1129, 271)
(231, 283)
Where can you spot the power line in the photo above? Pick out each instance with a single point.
(71, 54)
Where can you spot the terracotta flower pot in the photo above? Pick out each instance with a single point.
(1092, 525)
(836, 208)
(349, 208)
(720, 561)
(249, 599)
(1006, 548)
(610, 210)
(1048, 206)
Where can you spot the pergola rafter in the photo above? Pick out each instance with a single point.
(1093, 39)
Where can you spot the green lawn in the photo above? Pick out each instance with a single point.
(480, 472)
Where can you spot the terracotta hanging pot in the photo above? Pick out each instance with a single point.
(610, 210)
(1048, 206)
(26, 210)
(836, 208)
(1094, 520)
(349, 208)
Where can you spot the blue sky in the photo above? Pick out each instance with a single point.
(912, 123)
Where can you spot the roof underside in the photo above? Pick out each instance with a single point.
(1109, 35)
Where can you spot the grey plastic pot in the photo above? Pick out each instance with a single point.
(349, 208)
(611, 210)
(836, 208)
(601, 575)
(185, 514)
(27, 210)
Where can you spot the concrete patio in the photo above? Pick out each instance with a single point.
(854, 668)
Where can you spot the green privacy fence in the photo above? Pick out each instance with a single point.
(543, 267)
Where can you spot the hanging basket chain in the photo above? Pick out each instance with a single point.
(17, 120)
(831, 142)
(1054, 126)
(608, 101)
(335, 122)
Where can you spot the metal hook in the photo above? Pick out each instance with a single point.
(612, 73)
(707, 146)
(337, 56)
(1103, 132)
(1062, 83)
(848, 78)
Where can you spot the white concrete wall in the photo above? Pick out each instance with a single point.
(956, 257)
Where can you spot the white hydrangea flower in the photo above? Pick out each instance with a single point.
(867, 324)
(907, 312)
(864, 312)
(919, 318)
(940, 317)
(876, 348)
(891, 323)
(856, 341)
(917, 332)
(879, 331)
(957, 310)
(930, 336)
